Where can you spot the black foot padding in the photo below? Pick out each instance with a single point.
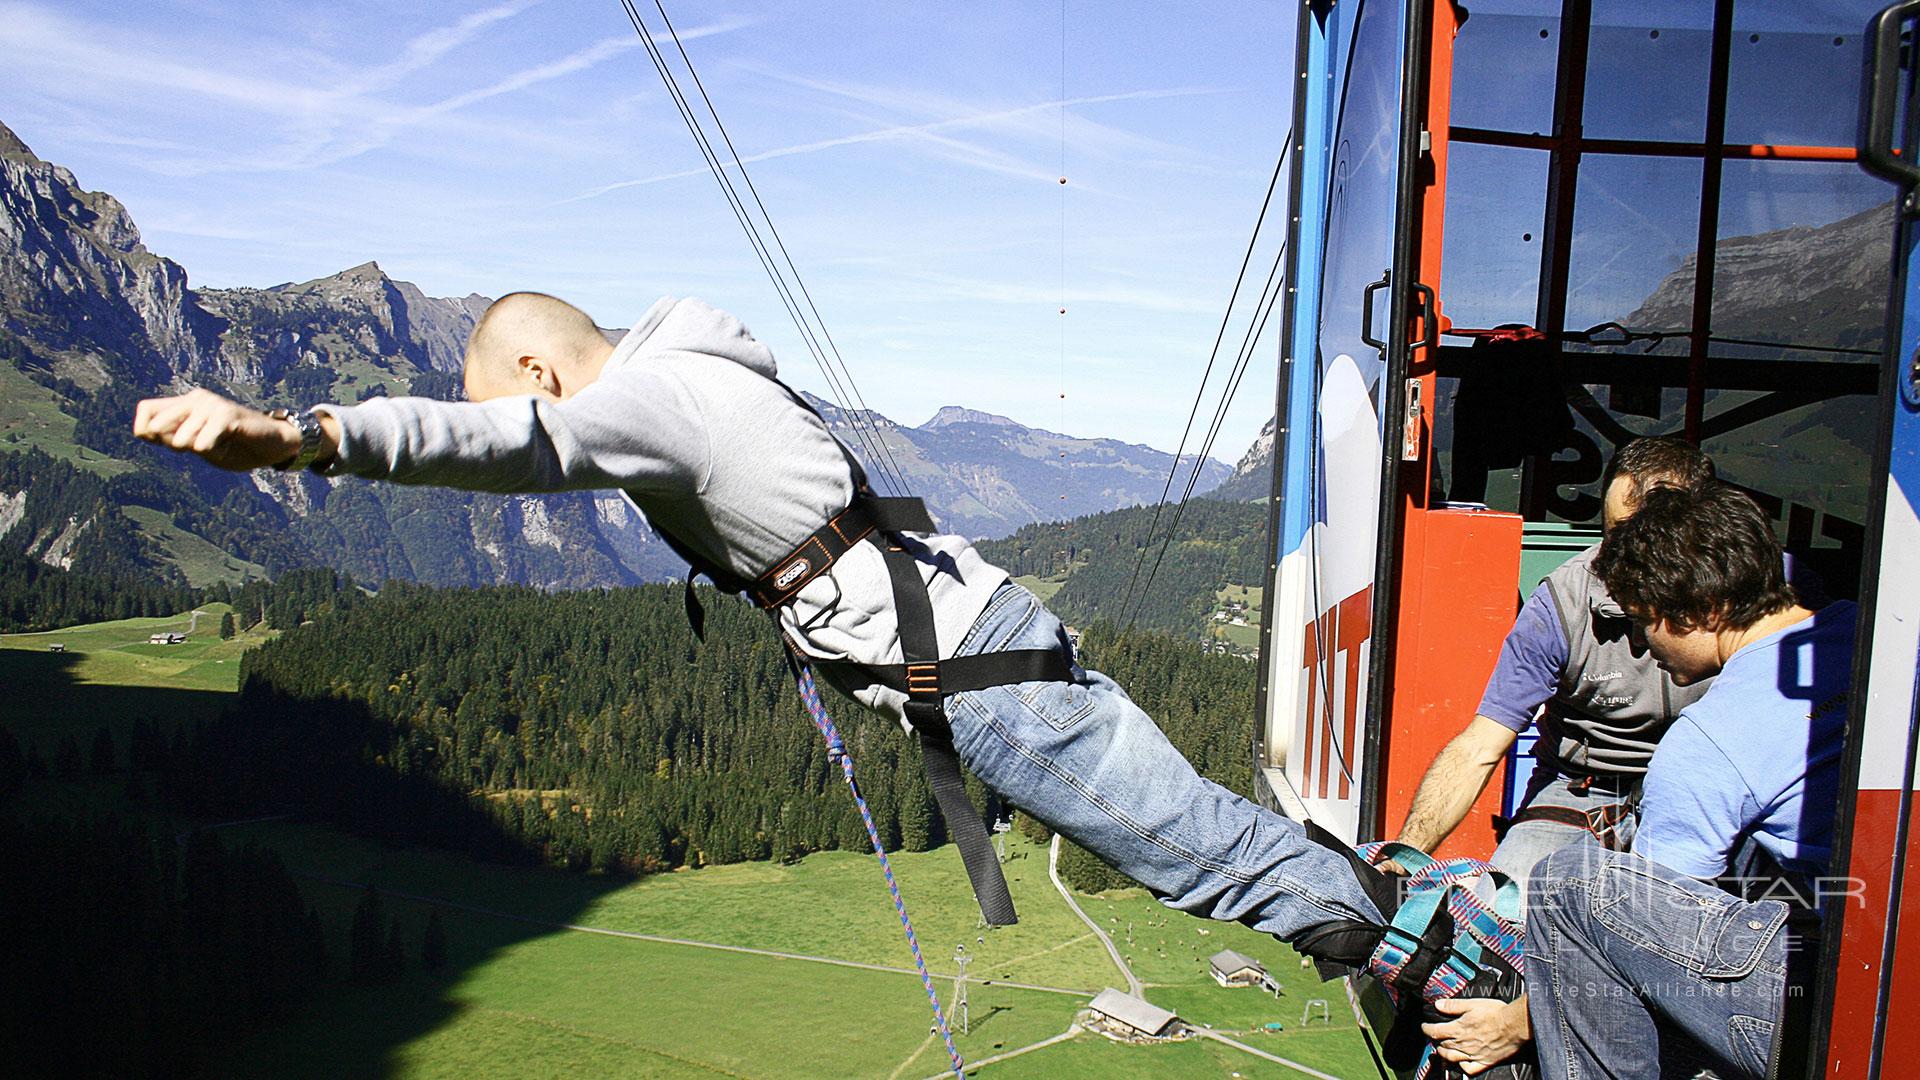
(1381, 887)
(1340, 948)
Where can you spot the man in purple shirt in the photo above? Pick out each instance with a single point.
(1602, 701)
(1572, 661)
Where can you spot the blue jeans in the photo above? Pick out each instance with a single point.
(1623, 952)
(1084, 759)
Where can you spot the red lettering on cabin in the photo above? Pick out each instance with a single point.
(1342, 629)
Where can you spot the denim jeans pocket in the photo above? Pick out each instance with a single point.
(1691, 923)
(1750, 1042)
(1060, 704)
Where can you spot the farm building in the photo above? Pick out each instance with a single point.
(1231, 968)
(166, 639)
(1128, 1017)
(57, 646)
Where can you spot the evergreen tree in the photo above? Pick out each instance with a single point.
(917, 832)
(433, 944)
(13, 766)
(226, 625)
(393, 955)
(67, 764)
(313, 946)
(1031, 827)
(365, 950)
(101, 757)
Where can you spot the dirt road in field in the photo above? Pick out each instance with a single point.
(1053, 871)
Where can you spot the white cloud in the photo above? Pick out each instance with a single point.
(930, 134)
(317, 125)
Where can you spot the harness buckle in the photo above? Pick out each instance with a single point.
(923, 680)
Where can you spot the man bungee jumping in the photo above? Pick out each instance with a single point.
(686, 416)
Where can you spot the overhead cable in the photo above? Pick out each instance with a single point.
(821, 323)
(1226, 318)
(859, 419)
(1269, 295)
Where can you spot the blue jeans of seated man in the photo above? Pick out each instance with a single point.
(1084, 759)
(1623, 952)
(1531, 841)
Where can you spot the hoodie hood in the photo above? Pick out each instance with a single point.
(695, 326)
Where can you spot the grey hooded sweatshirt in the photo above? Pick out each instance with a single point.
(687, 420)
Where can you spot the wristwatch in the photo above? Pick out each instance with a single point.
(308, 425)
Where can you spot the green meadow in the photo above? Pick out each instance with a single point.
(746, 970)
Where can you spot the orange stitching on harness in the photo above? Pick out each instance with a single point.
(923, 678)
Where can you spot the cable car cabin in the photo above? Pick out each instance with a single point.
(1523, 233)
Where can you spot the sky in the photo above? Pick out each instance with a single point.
(910, 156)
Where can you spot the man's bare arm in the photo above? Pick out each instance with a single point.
(225, 433)
(1454, 781)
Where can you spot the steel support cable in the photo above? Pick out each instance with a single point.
(764, 253)
(1266, 203)
(1256, 326)
(738, 208)
(761, 252)
(819, 321)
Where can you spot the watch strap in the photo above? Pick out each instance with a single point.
(308, 425)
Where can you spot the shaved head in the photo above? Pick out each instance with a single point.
(529, 342)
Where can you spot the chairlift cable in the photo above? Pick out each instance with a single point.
(1266, 203)
(758, 243)
(1061, 422)
(1269, 295)
(733, 202)
(891, 465)
(859, 419)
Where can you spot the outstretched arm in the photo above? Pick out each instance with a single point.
(226, 433)
(637, 430)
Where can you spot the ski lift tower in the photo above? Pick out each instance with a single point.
(961, 1018)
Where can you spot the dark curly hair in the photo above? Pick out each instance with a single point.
(1658, 457)
(1696, 557)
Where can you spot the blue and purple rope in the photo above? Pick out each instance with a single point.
(837, 751)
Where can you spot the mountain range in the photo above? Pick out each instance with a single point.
(91, 320)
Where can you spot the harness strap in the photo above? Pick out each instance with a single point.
(1602, 821)
(920, 647)
(868, 514)
(924, 677)
(966, 672)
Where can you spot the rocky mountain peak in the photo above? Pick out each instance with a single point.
(12, 147)
(76, 280)
(1259, 456)
(1820, 286)
(957, 414)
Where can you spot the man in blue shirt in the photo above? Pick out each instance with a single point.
(1625, 949)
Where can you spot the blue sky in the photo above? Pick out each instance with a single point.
(910, 154)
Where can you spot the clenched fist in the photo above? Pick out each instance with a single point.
(225, 433)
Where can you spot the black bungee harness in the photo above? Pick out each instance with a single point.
(923, 676)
